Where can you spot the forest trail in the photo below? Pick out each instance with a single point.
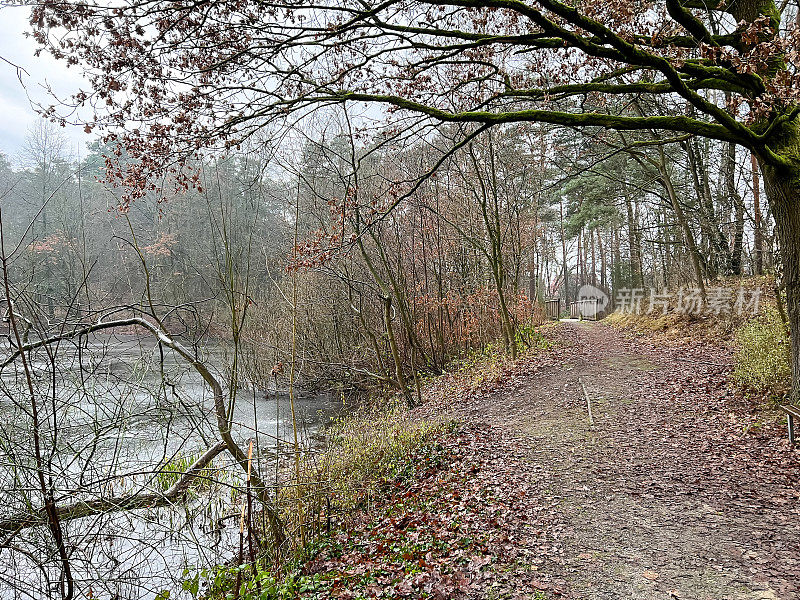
(681, 489)
(677, 491)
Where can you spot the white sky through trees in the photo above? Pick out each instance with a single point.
(17, 115)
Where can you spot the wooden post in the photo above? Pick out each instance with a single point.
(790, 424)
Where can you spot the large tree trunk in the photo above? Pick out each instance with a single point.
(564, 256)
(602, 250)
(783, 193)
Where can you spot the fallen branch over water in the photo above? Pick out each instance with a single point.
(221, 411)
(16, 523)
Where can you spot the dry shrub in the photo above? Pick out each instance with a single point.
(371, 446)
(763, 355)
(708, 326)
(363, 451)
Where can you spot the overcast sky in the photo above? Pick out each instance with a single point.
(17, 115)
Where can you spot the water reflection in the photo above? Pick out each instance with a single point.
(114, 409)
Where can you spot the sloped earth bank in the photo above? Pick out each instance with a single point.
(681, 489)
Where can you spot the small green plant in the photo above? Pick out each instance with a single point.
(763, 355)
(528, 337)
(255, 582)
(173, 470)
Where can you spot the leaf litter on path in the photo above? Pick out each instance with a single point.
(682, 489)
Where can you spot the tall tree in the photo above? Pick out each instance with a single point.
(170, 78)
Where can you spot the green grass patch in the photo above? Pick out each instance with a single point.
(177, 467)
(369, 447)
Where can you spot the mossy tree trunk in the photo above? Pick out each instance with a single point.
(782, 186)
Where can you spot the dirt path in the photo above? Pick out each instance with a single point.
(679, 490)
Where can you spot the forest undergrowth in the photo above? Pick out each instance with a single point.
(494, 486)
(375, 460)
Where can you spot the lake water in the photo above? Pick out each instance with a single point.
(111, 412)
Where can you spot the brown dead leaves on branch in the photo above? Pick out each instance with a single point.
(170, 81)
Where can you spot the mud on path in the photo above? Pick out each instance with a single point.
(680, 489)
